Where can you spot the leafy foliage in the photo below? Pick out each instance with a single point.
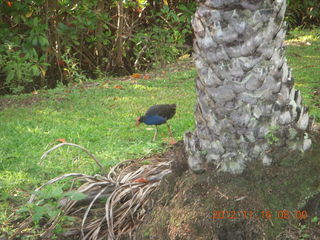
(99, 38)
(44, 43)
(165, 40)
(27, 131)
(23, 42)
(303, 13)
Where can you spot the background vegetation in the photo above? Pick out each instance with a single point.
(44, 42)
(303, 13)
(47, 42)
(101, 115)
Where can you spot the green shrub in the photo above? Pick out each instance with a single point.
(165, 40)
(20, 69)
(23, 45)
(36, 36)
(303, 13)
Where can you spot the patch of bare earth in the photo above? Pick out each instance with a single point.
(8, 102)
(261, 203)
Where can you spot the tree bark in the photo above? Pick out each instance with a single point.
(100, 52)
(247, 105)
(119, 38)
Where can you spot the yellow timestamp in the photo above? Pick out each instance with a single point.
(264, 214)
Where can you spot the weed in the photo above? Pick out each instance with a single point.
(272, 135)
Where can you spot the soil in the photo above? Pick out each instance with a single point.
(9, 102)
(261, 203)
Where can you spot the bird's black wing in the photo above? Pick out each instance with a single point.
(164, 110)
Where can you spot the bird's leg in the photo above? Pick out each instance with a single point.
(155, 134)
(169, 130)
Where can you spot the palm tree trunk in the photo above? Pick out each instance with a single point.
(247, 104)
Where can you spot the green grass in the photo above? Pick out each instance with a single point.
(303, 54)
(102, 119)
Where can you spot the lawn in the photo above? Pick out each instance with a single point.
(303, 54)
(102, 119)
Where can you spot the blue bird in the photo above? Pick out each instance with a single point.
(157, 115)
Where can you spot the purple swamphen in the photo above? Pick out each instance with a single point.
(157, 115)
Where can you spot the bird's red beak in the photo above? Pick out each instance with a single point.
(138, 121)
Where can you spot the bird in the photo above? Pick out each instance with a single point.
(156, 115)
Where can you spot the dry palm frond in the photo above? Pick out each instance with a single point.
(73, 145)
(115, 203)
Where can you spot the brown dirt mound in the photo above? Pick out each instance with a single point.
(261, 203)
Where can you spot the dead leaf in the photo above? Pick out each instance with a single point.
(136, 75)
(118, 87)
(61, 63)
(62, 140)
(29, 14)
(43, 71)
(146, 77)
(173, 141)
(185, 56)
(170, 140)
(141, 180)
(35, 92)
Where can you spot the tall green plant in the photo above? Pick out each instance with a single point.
(165, 39)
(303, 13)
(98, 34)
(23, 45)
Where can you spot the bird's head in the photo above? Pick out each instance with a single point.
(140, 120)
